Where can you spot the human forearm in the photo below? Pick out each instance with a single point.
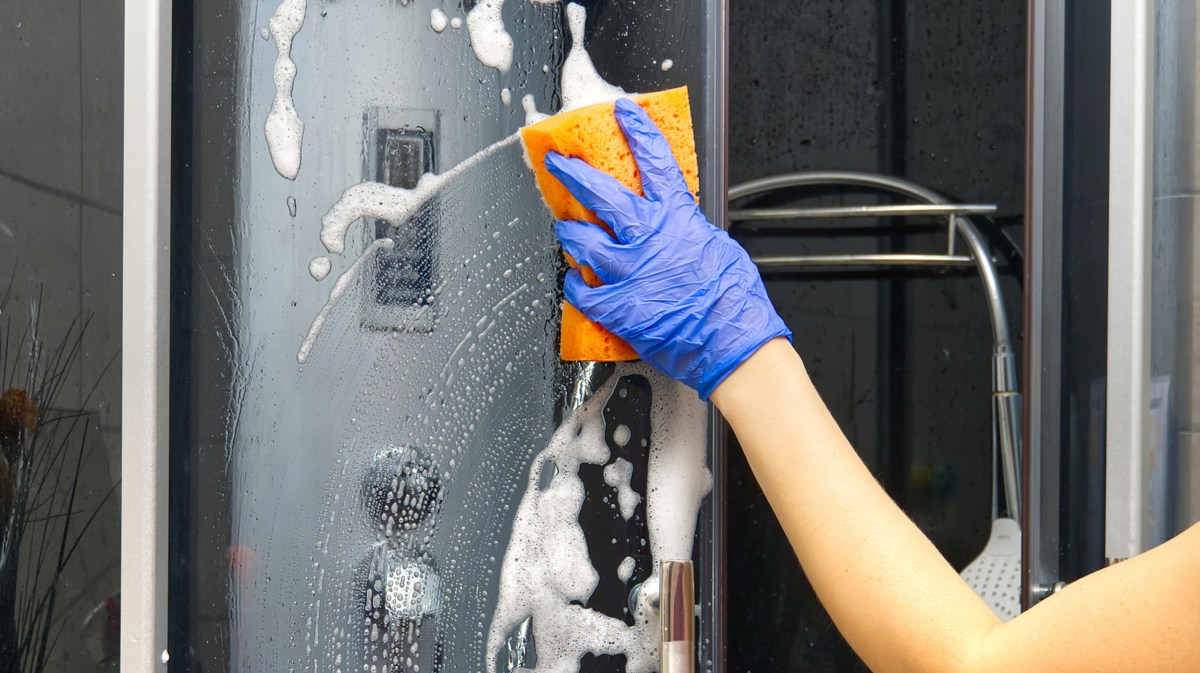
(893, 596)
(691, 302)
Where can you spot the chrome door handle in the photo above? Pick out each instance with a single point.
(677, 607)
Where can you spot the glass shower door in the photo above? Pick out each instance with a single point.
(378, 462)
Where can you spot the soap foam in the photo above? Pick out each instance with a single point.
(319, 267)
(492, 44)
(580, 83)
(619, 475)
(438, 20)
(532, 116)
(678, 477)
(667, 64)
(343, 283)
(625, 570)
(284, 130)
(396, 205)
(546, 566)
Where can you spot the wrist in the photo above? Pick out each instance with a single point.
(759, 375)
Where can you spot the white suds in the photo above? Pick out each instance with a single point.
(506, 96)
(319, 268)
(581, 84)
(264, 33)
(678, 478)
(546, 566)
(291, 205)
(438, 20)
(667, 64)
(618, 475)
(492, 44)
(378, 201)
(284, 130)
(532, 116)
(621, 435)
(343, 283)
(625, 570)
(456, 23)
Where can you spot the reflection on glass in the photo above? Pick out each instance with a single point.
(60, 337)
(59, 540)
(379, 461)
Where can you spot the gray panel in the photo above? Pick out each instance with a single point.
(43, 145)
(1174, 465)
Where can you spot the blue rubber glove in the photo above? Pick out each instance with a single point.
(679, 290)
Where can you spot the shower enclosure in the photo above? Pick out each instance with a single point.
(376, 459)
(348, 444)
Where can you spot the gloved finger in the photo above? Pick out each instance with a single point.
(600, 193)
(661, 176)
(592, 246)
(589, 300)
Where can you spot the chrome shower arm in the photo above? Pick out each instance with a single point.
(1006, 404)
(960, 225)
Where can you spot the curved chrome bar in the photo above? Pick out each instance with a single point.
(901, 210)
(970, 234)
(1005, 386)
(856, 261)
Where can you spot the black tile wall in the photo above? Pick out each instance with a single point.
(928, 90)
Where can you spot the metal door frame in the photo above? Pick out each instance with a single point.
(1127, 421)
(1130, 226)
(145, 326)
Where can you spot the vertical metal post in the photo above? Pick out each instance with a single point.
(1131, 179)
(716, 647)
(1043, 306)
(145, 335)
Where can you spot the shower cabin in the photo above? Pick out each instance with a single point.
(348, 444)
(377, 461)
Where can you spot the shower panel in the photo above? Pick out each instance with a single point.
(378, 461)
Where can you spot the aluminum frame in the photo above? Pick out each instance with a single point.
(1043, 310)
(717, 73)
(1131, 190)
(145, 335)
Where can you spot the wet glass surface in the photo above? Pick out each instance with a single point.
(371, 463)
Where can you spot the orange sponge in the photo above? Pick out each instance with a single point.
(591, 134)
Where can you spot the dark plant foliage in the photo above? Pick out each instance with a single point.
(43, 444)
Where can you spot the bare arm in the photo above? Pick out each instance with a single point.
(896, 600)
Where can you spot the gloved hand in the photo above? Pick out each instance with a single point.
(679, 290)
